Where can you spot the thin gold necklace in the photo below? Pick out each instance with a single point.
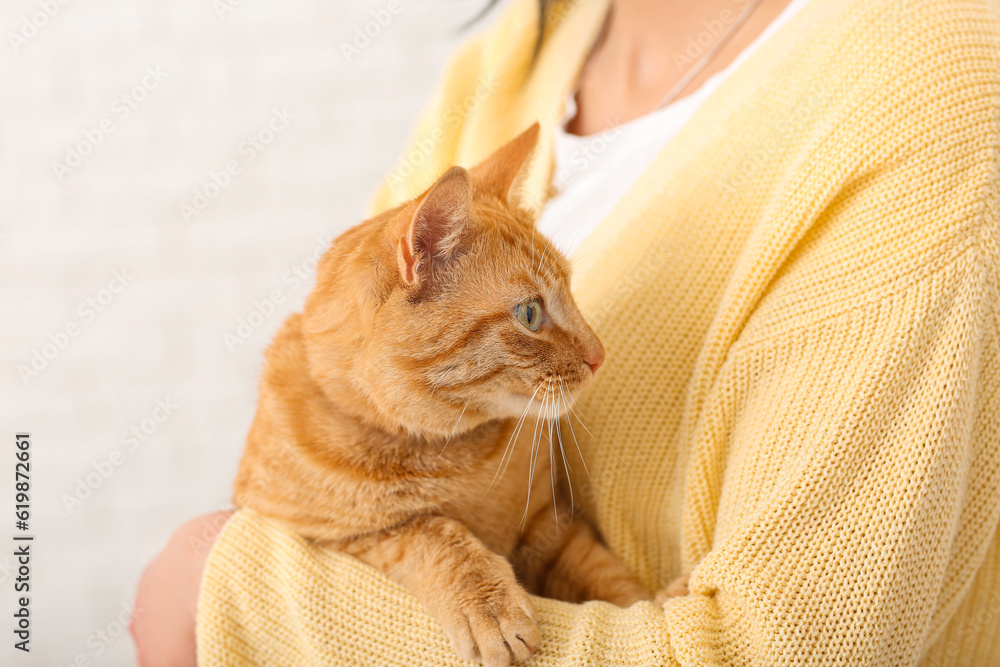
(701, 64)
(698, 67)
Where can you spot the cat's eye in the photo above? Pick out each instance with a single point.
(529, 314)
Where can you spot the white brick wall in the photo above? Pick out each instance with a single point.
(188, 282)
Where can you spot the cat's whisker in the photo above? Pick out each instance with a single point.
(580, 418)
(562, 449)
(450, 436)
(549, 271)
(511, 444)
(555, 274)
(531, 463)
(552, 464)
(533, 227)
(536, 444)
(565, 411)
(569, 420)
(542, 258)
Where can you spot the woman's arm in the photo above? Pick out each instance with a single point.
(163, 617)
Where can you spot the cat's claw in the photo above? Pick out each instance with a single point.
(496, 626)
(496, 638)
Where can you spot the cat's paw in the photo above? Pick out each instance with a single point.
(677, 588)
(491, 619)
(624, 591)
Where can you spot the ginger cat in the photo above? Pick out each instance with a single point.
(387, 407)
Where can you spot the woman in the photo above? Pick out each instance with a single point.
(792, 257)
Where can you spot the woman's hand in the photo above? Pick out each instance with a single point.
(163, 620)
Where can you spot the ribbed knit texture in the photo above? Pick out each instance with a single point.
(801, 399)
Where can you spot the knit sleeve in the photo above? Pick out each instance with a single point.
(854, 489)
(271, 598)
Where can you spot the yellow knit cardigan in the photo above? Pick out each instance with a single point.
(801, 402)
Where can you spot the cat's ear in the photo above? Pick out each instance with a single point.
(437, 227)
(501, 173)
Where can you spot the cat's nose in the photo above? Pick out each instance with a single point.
(594, 357)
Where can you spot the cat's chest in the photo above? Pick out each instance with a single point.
(495, 497)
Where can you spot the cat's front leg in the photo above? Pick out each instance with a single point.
(677, 588)
(471, 590)
(563, 558)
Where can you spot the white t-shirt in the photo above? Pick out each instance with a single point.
(593, 172)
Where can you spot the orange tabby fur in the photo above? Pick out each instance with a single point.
(386, 409)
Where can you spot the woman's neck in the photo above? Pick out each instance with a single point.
(648, 46)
